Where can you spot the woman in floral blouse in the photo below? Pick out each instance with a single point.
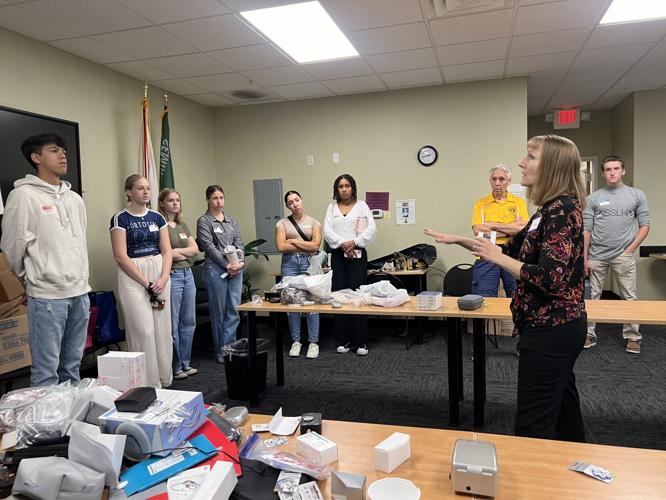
(548, 307)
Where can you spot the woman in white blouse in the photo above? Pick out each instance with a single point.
(348, 229)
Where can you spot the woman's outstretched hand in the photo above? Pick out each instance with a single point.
(440, 237)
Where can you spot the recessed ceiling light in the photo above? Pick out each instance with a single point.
(305, 31)
(628, 11)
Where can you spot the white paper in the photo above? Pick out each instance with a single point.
(101, 452)
(405, 212)
(283, 426)
(534, 225)
(9, 439)
(185, 485)
(518, 190)
(105, 395)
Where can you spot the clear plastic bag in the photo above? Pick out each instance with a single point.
(292, 295)
(46, 418)
(317, 262)
(13, 402)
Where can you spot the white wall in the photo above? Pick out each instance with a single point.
(39, 78)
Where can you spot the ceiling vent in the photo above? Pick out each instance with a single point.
(443, 8)
(248, 94)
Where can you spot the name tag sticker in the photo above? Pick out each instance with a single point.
(48, 209)
(153, 227)
(604, 203)
(183, 236)
(218, 230)
(535, 224)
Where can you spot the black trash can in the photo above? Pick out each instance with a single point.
(237, 369)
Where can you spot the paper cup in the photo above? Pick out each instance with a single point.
(391, 488)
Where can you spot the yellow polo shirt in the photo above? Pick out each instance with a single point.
(488, 209)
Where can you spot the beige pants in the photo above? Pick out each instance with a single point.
(623, 268)
(148, 330)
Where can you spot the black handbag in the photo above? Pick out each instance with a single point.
(258, 481)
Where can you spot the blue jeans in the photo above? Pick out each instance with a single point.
(57, 336)
(293, 264)
(183, 323)
(486, 277)
(224, 295)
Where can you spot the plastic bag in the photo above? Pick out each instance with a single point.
(46, 418)
(291, 295)
(400, 297)
(347, 296)
(317, 262)
(13, 402)
(382, 288)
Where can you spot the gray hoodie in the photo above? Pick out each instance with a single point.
(44, 238)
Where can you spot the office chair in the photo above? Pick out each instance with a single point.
(396, 282)
(458, 282)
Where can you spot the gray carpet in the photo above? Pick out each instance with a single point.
(623, 396)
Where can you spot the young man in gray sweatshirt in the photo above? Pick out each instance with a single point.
(616, 221)
(44, 239)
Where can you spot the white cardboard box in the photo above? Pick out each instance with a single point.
(317, 448)
(391, 452)
(429, 301)
(122, 370)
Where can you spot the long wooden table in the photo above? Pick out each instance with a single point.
(528, 468)
(604, 311)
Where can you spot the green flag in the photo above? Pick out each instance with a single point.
(166, 168)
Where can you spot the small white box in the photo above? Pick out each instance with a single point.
(429, 301)
(474, 468)
(392, 452)
(317, 448)
(122, 370)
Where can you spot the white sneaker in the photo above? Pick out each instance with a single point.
(295, 350)
(362, 351)
(313, 351)
(342, 349)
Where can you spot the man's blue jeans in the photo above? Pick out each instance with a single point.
(486, 277)
(293, 264)
(57, 335)
(224, 295)
(183, 322)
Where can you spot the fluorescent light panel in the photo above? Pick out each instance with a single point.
(628, 11)
(305, 31)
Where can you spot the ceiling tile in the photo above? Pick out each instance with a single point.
(532, 2)
(611, 55)
(545, 62)
(471, 28)
(87, 16)
(545, 43)
(363, 14)
(339, 69)
(166, 11)
(357, 84)
(657, 52)
(251, 57)
(146, 42)
(31, 25)
(302, 90)
(645, 74)
(401, 61)
(92, 50)
(219, 83)
(241, 5)
(211, 100)
(412, 78)
(558, 16)
(178, 86)
(544, 82)
(592, 71)
(488, 50)
(140, 70)
(629, 33)
(473, 71)
(283, 75)
(190, 65)
(392, 39)
(609, 101)
(219, 32)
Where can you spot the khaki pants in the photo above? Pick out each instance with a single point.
(623, 268)
(148, 330)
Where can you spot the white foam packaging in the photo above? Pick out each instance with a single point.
(316, 448)
(392, 452)
(429, 301)
(122, 370)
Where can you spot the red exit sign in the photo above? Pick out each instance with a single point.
(566, 118)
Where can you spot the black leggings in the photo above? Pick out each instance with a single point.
(548, 403)
(349, 273)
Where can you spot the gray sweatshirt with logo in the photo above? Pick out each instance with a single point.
(612, 216)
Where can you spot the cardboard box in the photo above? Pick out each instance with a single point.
(122, 370)
(163, 425)
(391, 452)
(14, 344)
(316, 448)
(429, 301)
(10, 285)
(12, 308)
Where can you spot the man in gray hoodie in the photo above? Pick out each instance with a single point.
(44, 239)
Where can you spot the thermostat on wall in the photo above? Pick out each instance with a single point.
(377, 213)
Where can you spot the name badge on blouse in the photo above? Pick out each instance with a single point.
(604, 203)
(534, 225)
(153, 227)
(183, 236)
(218, 230)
